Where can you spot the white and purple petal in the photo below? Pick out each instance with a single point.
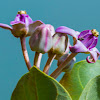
(88, 39)
(79, 47)
(16, 22)
(28, 20)
(41, 39)
(94, 42)
(84, 33)
(19, 30)
(23, 18)
(5, 26)
(94, 54)
(33, 25)
(67, 31)
(60, 42)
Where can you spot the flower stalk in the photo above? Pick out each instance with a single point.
(25, 53)
(48, 63)
(37, 59)
(57, 72)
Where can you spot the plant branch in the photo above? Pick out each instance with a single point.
(48, 63)
(24, 50)
(37, 59)
(57, 72)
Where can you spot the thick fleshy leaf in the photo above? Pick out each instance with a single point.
(36, 85)
(80, 75)
(92, 90)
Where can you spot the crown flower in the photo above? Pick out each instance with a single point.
(23, 25)
(84, 42)
(41, 40)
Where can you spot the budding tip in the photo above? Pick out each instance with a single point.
(21, 12)
(95, 32)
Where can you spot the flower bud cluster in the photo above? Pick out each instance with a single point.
(45, 39)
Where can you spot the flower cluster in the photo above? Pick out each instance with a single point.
(45, 39)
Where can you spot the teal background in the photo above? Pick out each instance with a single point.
(77, 14)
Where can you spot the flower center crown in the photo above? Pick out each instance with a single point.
(95, 32)
(21, 12)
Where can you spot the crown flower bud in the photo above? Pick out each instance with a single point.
(68, 66)
(41, 40)
(23, 25)
(60, 45)
(85, 42)
(60, 42)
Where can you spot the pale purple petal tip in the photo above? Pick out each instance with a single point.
(78, 47)
(94, 54)
(23, 19)
(16, 22)
(5, 26)
(66, 30)
(89, 60)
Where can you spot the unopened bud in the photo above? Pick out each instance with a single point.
(41, 39)
(69, 66)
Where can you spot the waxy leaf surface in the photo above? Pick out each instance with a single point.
(76, 80)
(36, 85)
(92, 90)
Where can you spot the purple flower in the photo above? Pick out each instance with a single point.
(22, 25)
(41, 40)
(84, 42)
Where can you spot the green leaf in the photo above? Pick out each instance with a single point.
(36, 85)
(76, 80)
(92, 90)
